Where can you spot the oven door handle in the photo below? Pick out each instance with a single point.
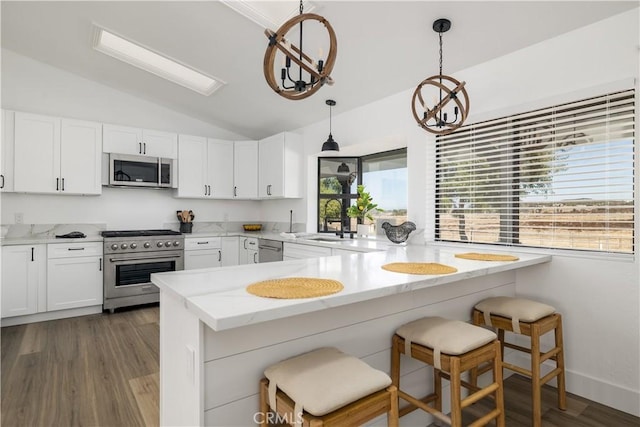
(144, 259)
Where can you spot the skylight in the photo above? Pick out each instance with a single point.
(269, 14)
(143, 58)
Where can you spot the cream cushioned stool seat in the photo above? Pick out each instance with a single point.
(324, 380)
(532, 319)
(451, 347)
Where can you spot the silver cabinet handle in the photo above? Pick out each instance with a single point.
(2, 185)
(100, 265)
(144, 148)
(219, 256)
(205, 189)
(139, 147)
(245, 243)
(255, 254)
(57, 184)
(235, 191)
(75, 249)
(202, 243)
(271, 248)
(32, 249)
(62, 184)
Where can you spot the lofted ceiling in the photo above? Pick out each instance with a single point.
(384, 47)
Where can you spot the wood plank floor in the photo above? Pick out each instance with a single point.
(102, 370)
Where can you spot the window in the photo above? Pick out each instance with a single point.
(383, 174)
(560, 177)
(338, 179)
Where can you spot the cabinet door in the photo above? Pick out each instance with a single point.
(202, 259)
(81, 157)
(192, 167)
(245, 169)
(230, 252)
(271, 166)
(6, 153)
(36, 153)
(23, 275)
(121, 140)
(220, 170)
(160, 144)
(74, 282)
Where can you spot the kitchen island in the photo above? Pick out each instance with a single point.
(216, 339)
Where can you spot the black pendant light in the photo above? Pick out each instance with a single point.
(330, 144)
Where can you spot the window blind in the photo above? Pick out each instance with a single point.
(558, 177)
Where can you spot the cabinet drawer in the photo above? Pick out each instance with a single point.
(194, 244)
(70, 250)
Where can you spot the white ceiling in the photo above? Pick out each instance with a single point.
(384, 47)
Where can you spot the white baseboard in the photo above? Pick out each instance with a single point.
(612, 395)
(51, 315)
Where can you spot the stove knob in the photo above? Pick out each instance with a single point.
(176, 243)
(124, 246)
(147, 245)
(167, 244)
(160, 244)
(114, 247)
(133, 245)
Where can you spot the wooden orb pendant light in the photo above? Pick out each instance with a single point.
(307, 76)
(444, 90)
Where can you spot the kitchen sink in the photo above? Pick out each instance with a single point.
(324, 239)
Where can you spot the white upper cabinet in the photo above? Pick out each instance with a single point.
(220, 168)
(245, 170)
(192, 167)
(53, 155)
(141, 142)
(80, 157)
(6, 153)
(280, 166)
(205, 168)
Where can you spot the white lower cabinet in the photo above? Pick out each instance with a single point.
(74, 275)
(204, 252)
(298, 251)
(24, 275)
(248, 250)
(230, 250)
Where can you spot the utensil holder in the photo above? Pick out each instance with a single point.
(186, 227)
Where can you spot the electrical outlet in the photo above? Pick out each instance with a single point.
(19, 218)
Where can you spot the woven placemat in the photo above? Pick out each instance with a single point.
(487, 257)
(295, 287)
(419, 268)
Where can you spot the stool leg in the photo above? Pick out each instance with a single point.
(562, 395)
(455, 384)
(437, 389)
(393, 416)
(536, 390)
(264, 406)
(497, 378)
(395, 362)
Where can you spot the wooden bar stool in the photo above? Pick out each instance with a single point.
(326, 387)
(451, 347)
(532, 319)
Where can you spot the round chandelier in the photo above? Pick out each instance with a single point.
(300, 75)
(445, 92)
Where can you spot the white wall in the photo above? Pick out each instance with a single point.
(32, 86)
(599, 297)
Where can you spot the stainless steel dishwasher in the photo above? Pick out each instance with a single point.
(269, 250)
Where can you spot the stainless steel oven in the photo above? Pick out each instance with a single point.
(130, 259)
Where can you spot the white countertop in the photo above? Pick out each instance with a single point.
(217, 296)
(12, 241)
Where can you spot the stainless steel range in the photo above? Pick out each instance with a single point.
(130, 258)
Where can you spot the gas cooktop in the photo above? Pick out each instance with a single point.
(139, 233)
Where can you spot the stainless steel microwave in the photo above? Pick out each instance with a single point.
(139, 171)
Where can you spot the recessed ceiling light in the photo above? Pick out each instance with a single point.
(134, 54)
(269, 14)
